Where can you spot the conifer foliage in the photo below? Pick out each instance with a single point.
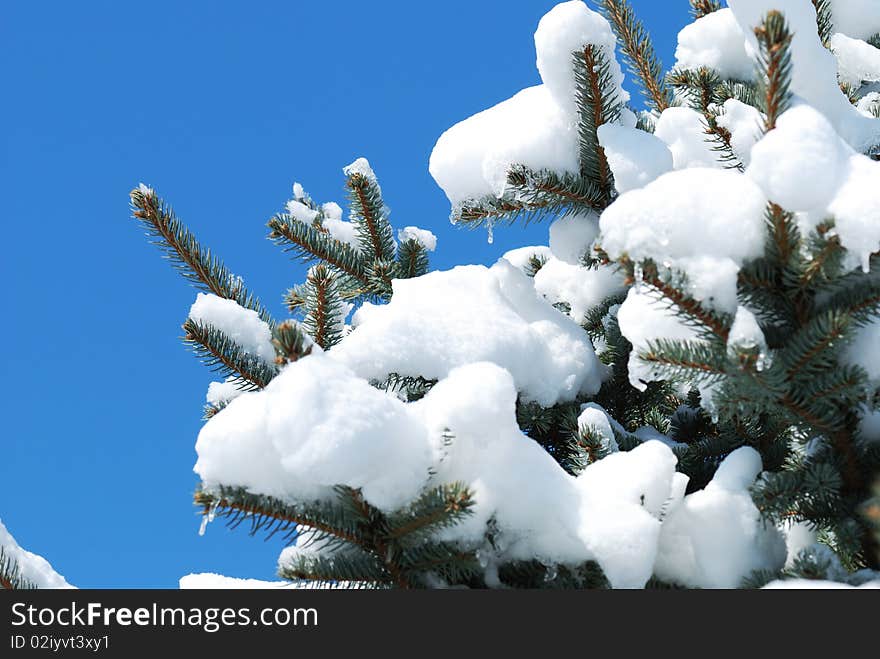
(720, 357)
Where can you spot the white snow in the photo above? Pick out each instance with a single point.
(431, 326)
(594, 417)
(635, 157)
(471, 159)
(212, 581)
(856, 209)
(314, 426)
(537, 127)
(746, 126)
(864, 349)
(685, 220)
(571, 236)
(684, 132)
(687, 214)
(32, 567)
(579, 287)
(843, 184)
(814, 68)
(815, 584)
(856, 18)
(519, 258)
(244, 326)
(539, 509)
(360, 166)
(300, 212)
(715, 537)
(803, 147)
(422, 236)
(745, 331)
(716, 41)
(869, 425)
(857, 61)
(642, 319)
(564, 30)
(220, 393)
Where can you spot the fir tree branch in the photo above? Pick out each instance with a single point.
(438, 508)
(551, 190)
(824, 20)
(812, 350)
(10, 574)
(597, 104)
(370, 217)
(638, 52)
(692, 309)
(310, 244)
(700, 8)
(197, 264)
(323, 307)
(412, 259)
(774, 41)
(220, 353)
(290, 343)
(270, 515)
(686, 360)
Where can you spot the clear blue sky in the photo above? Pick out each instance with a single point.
(220, 106)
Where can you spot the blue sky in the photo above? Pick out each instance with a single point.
(220, 106)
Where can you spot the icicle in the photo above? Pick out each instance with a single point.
(490, 227)
(208, 517)
(639, 276)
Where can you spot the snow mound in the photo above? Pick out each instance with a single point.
(314, 426)
(635, 157)
(716, 41)
(429, 328)
(244, 326)
(537, 127)
(814, 68)
(715, 538)
(32, 567)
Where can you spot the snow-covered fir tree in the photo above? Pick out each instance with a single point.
(681, 390)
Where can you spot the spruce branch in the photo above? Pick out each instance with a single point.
(438, 508)
(412, 259)
(10, 574)
(597, 104)
(638, 52)
(323, 307)
(824, 20)
(291, 344)
(689, 308)
(687, 361)
(264, 514)
(370, 217)
(557, 192)
(704, 89)
(221, 354)
(196, 263)
(774, 69)
(309, 244)
(701, 8)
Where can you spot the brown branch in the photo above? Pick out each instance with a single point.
(253, 378)
(380, 550)
(281, 229)
(687, 304)
(619, 13)
(290, 519)
(596, 88)
(356, 184)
